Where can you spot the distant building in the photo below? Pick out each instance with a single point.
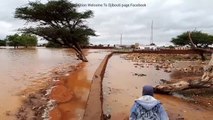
(146, 47)
(182, 47)
(122, 46)
(151, 47)
(141, 47)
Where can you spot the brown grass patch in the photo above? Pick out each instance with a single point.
(181, 74)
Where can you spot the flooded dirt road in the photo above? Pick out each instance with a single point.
(23, 67)
(123, 82)
(72, 92)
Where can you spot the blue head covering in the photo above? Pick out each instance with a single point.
(148, 90)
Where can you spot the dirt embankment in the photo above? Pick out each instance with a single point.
(94, 110)
(69, 94)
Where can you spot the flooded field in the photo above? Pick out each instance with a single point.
(123, 82)
(20, 68)
(23, 71)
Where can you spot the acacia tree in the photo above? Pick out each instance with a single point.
(200, 40)
(21, 40)
(58, 21)
(13, 40)
(27, 40)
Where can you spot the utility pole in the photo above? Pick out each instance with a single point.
(151, 38)
(121, 39)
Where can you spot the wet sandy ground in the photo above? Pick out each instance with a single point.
(183, 110)
(121, 87)
(71, 93)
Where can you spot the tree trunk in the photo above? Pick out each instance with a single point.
(79, 52)
(206, 81)
(194, 47)
(82, 57)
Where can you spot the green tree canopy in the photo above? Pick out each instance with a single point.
(28, 40)
(201, 40)
(13, 40)
(58, 21)
(25, 40)
(2, 43)
(53, 45)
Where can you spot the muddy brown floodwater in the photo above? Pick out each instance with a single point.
(122, 85)
(72, 92)
(23, 68)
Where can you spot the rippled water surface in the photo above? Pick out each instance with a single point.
(19, 67)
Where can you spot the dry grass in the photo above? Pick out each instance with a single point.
(181, 74)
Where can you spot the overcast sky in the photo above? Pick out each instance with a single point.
(171, 17)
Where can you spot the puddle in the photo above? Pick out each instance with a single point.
(121, 86)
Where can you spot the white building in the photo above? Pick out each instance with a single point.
(146, 47)
(182, 47)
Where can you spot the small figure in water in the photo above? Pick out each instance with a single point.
(147, 107)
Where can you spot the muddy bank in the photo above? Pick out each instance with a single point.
(71, 94)
(65, 94)
(23, 71)
(182, 109)
(37, 102)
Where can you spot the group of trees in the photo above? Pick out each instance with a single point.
(26, 40)
(200, 40)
